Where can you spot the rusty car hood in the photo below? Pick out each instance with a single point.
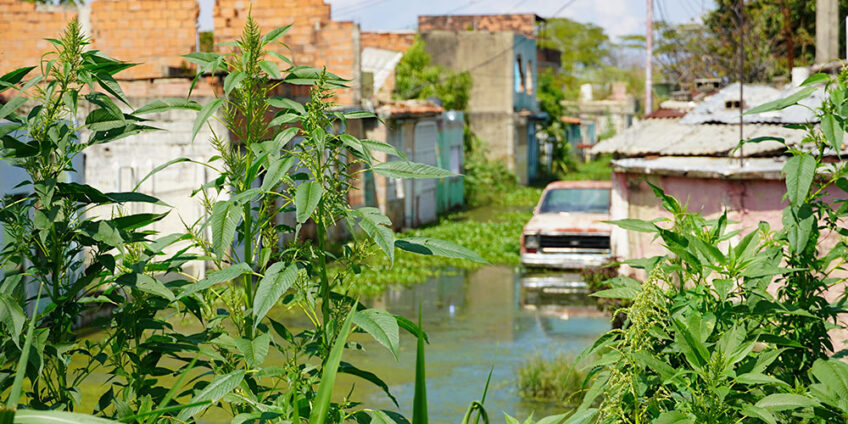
(549, 223)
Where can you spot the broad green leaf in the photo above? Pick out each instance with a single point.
(784, 102)
(153, 286)
(323, 399)
(206, 112)
(817, 78)
(225, 218)
(287, 104)
(757, 379)
(213, 392)
(798, 223)
(381, 325)
(284, 118)
(761, 413)
(226, 274)
(306, 199)
(380, 417)
(270, 68)
(786, 401)
(12, 315)
(276, 170)
(689, 344)
(411, 327)
(673, 417)
(833, 376)
(635, 225)
(164, 105)
(833, 131)
(11, 106)
(580, 417)
(380, 146)
(664, 370)
(376, 225)
(275, 34)
(431, 246)
(359, 114)
(134, 197)
(799, 171)
(31, 416)
(105, 81)
(276, 281)
(370, 377)
(233, 80)
(108, 234)
(404, 169)
(255, 350)
(9, 80)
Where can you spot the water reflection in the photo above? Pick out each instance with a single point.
(476, 321)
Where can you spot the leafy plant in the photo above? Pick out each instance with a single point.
(730, 327)
(55, 245)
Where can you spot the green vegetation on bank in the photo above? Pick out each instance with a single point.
(557, 380)
(492, 231)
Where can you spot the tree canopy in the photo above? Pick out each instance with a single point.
(417, 78)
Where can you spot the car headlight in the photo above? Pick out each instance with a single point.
(531, 241)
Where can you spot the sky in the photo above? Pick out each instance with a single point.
(617, 17)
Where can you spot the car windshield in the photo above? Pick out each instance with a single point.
(587, 200)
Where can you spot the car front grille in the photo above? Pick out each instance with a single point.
(575, 241)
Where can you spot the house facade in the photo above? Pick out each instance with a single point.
(501, 54)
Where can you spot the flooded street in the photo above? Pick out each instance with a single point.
(476, 321)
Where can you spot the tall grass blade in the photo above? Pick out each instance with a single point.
(328, 378)
(419, 401)
(17, 386)
(485, 392)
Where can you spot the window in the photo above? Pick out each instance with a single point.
(519, 75)
(583, 200)
(529, 77)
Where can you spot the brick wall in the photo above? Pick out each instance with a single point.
(524, 24)
(154, 33)
(23, 27)
(395, 41)
(314, 39)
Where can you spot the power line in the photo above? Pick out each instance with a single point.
(565, 5)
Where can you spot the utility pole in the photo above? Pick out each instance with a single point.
(827, 31)
(741, 5)
(649, 59)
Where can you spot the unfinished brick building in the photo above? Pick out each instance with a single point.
(314, 38)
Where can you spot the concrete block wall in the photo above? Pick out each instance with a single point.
(23, 27)
(153, 33)
(314, 39)
(520, 23)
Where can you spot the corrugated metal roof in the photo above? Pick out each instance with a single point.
(381, 63)
(670, 137)
(714, 109)
(704, 167)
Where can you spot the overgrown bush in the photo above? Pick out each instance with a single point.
(558, 380)
(283, 157)
(732, 327)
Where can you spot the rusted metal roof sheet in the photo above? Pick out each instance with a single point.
(579, 184)
(665, 113)
(723, 107)
(670, 137)
(704, 167)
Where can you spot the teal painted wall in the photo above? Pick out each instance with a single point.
(451, 156)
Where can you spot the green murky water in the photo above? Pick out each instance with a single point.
(475, 320)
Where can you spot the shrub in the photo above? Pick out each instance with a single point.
(727, 329)
(558, 380)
